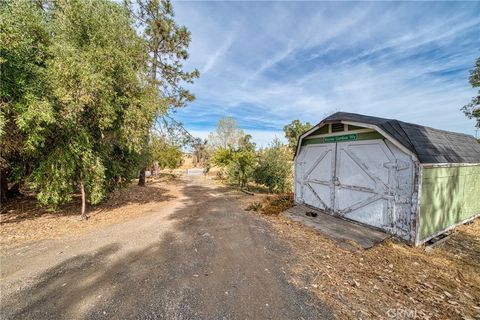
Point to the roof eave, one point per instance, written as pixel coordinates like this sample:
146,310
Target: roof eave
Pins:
361,124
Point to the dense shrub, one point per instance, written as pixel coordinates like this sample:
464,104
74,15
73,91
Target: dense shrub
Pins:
167,155
240,169
238,163
274,169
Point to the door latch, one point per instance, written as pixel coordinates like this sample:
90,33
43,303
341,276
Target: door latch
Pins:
336,182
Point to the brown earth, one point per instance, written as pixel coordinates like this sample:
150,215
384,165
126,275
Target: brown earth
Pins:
388,280
23,220
185,248
196,256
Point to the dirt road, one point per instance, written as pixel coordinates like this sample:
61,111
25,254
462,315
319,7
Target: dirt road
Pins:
198,256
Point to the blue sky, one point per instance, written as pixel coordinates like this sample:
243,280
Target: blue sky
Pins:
267,63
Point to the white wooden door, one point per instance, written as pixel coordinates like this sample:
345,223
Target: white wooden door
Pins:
364,181
367,181
315,175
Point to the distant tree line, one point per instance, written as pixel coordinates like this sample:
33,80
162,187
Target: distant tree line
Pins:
241,163
82,85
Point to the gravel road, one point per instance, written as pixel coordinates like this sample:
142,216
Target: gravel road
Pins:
199,256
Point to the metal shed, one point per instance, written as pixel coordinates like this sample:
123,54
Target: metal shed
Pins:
411,181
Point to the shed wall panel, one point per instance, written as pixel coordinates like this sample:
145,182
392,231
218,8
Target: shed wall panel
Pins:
449,196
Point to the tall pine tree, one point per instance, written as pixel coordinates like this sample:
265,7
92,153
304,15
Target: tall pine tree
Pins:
167,45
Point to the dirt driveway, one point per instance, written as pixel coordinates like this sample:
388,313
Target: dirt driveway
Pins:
197,256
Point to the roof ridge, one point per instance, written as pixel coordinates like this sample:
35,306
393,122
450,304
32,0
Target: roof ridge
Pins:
431,145
400,121
406,135
436,129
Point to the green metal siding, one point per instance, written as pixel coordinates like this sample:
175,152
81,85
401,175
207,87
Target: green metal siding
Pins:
449,195
360,136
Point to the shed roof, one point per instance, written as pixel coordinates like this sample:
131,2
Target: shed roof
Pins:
429,144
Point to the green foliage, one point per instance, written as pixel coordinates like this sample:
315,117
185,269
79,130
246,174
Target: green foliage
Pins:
53,177
76,106
166,45
240,169
222,157
472,110
235,153
233,150
274,169
167,48
69,163
245,143
165,154
239,163
293,131
24,39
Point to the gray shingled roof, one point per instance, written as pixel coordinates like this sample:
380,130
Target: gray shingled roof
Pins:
429,144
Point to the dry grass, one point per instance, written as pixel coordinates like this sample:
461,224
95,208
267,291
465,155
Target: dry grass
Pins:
272,205
23,220
391,279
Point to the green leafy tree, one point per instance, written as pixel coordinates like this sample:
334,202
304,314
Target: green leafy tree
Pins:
240,169
293,131
234,151
274,169
222,157
472,110
24,39
85,117
245,143
167,155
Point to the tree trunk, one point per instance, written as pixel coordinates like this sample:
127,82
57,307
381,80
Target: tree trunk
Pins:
14,191
3,185
83,215
141,177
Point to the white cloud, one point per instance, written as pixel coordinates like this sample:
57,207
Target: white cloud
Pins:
269,63
217,55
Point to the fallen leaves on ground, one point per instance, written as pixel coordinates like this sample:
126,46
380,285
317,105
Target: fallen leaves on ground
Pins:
390,279
272,204
23,220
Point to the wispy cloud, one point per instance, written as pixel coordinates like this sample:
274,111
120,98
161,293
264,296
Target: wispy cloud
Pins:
212,60
269,63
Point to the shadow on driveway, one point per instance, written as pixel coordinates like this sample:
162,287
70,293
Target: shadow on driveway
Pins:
218,262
